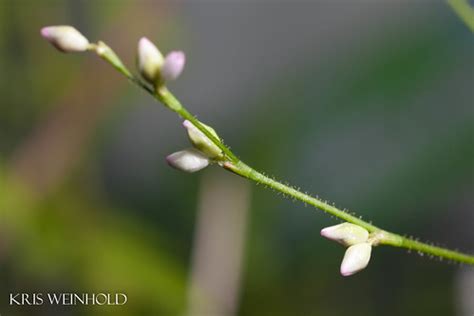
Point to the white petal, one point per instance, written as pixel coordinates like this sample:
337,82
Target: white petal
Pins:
356,258
149,60
65,38
173,65
347,234
188,160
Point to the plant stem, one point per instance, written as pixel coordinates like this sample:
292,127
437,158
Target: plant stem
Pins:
247,172
381,236
235,165
240,168
464,11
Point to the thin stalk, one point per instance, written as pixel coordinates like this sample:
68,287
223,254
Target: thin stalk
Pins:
232,163
381,236
464,11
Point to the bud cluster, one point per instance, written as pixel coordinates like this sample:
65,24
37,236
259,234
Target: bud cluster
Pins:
156,70
199,157
153,67
359,245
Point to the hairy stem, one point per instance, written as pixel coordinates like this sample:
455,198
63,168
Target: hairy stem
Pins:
381,236
235,165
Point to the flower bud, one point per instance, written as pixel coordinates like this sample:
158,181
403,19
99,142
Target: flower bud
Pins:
150,60
65,38
173,65
346,234
356,258
188,160
201,141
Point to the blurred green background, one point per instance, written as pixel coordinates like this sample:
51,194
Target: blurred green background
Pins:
366,104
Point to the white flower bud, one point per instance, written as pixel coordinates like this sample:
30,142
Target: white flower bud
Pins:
65,38
188,160
356,258
201,141
150,60
347,234
173,65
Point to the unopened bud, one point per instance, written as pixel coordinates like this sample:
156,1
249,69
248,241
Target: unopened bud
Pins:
150,60
65,38
356,258
188,160
201,141
173,65
346,234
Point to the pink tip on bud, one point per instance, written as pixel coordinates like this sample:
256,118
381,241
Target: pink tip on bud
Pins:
187,124
45,32
65,38
173,65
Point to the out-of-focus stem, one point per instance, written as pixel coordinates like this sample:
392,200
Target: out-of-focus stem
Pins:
465,12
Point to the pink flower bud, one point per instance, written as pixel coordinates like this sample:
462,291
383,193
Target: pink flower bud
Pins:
173,65
356,258
65,38
188,160
347,234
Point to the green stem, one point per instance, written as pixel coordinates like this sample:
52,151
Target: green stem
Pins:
235,165
381,236
247,172
465,12
436,251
